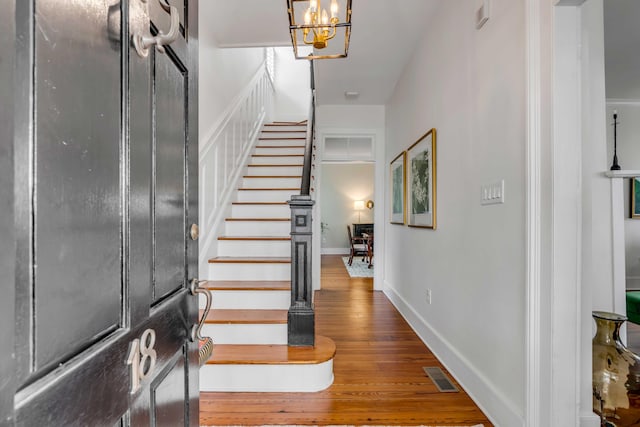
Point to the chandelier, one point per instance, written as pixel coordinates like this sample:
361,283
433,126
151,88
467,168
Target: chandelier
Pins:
320,25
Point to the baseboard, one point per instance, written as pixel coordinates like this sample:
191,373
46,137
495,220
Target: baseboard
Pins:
483,393
334,251
633,283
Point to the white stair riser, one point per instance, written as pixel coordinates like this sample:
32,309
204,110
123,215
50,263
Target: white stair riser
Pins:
281,142
275,171
258,228
300,132
266,378
258,248
232,271
246,333
279,151
277,160
260,211
266,196
248,300
271,182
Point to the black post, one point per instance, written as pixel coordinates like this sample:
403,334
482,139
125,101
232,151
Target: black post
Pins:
301,317
615,166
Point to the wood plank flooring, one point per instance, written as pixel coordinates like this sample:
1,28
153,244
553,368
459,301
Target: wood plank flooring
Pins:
378,371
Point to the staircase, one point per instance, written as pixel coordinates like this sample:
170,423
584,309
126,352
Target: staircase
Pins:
250,280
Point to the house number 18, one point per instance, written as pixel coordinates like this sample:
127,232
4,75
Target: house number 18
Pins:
142,358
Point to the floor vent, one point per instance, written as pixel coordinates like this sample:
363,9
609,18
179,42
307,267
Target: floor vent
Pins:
440,379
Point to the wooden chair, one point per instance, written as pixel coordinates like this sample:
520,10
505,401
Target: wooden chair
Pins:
358,246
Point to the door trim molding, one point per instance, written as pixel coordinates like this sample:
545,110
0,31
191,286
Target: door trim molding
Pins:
533,211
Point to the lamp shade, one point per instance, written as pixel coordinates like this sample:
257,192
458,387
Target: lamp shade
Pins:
358,205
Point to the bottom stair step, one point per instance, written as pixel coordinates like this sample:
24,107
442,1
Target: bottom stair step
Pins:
246,326
269,368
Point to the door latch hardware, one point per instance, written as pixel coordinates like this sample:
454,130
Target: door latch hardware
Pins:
205,344
142,43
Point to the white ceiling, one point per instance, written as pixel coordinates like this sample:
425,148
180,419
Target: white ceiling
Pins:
383,35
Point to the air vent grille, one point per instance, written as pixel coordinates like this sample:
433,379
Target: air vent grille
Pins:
440,379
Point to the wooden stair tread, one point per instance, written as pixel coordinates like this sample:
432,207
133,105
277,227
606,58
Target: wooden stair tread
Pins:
254,238
284,131
284,124
283,138
249,260
228,354
272,176
277,155
259,203
280,146
240,285
275,166
246,317
269,189
259,219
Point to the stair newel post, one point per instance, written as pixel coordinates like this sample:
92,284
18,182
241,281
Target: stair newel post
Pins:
301,317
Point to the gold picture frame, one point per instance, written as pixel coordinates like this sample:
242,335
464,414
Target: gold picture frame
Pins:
421,182
398,185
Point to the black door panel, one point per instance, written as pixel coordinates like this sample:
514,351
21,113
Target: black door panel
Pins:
102,161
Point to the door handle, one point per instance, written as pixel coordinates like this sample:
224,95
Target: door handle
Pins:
205,344
142,43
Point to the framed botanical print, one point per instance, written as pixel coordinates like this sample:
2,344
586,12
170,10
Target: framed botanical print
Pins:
421,182
398,175
635,197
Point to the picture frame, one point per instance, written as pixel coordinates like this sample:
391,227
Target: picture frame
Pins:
421,182
398,185
635,197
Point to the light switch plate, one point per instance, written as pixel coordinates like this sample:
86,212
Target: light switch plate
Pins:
492,194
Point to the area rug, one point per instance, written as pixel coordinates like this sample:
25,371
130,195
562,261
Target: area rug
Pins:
358,268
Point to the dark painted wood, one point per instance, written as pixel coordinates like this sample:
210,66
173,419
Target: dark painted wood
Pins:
86,219
192,360
301,318
7,242
169,105
77,149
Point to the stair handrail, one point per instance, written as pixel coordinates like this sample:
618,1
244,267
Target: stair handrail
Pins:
311,125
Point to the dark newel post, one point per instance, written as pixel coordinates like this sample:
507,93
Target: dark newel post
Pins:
301,319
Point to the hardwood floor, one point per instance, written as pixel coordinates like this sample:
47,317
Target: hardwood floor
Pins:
378,371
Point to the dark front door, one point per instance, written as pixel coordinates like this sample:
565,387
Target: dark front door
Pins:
104,155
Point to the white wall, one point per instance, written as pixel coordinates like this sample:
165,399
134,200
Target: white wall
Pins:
342,184
472,90
629,159
292,82
223,72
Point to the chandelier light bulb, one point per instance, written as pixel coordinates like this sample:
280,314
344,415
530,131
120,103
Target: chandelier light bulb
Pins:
307,17
313,5
334,8
325,16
